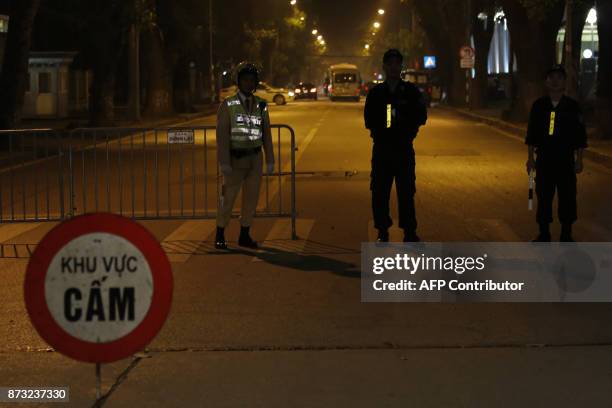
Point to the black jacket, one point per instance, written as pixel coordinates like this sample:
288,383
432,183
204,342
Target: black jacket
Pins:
409,112
569,132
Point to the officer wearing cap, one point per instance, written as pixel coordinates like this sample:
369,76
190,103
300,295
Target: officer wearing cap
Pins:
243,129
394,112
557,134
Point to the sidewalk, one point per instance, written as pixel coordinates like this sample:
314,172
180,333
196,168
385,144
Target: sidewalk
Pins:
145,122
598,150
363,377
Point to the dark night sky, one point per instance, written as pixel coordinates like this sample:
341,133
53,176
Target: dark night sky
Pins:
345,22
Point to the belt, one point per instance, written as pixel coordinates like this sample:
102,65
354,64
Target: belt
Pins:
239,153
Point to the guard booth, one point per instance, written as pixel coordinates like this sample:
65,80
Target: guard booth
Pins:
47,89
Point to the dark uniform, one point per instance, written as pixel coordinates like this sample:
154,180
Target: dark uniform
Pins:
556,138
394,118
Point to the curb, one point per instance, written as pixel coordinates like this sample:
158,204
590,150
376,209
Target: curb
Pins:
519,131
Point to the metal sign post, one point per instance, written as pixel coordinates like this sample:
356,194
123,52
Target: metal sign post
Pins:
467,56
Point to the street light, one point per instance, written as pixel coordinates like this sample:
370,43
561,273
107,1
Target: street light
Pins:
376,24
367,46
381,12
320,37
293,2
315,31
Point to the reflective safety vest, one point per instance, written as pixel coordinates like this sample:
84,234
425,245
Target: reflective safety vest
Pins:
247,129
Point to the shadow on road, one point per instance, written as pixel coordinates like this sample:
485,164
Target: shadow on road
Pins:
309,256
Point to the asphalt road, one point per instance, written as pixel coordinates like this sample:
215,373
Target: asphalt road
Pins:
305,295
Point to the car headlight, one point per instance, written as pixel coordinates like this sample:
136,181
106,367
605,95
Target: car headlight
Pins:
298,91
291,93
313,90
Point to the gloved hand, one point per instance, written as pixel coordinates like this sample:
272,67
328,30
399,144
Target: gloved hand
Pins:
269,168
226,169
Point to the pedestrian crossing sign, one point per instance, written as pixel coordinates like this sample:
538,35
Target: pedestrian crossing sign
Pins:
430,62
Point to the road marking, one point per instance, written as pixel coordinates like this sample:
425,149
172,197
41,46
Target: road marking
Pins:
306,142
184,242
279,237
10,231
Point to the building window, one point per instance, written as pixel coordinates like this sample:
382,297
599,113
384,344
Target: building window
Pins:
44,83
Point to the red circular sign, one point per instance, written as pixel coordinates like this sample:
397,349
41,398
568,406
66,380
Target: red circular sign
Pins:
69,290
467,52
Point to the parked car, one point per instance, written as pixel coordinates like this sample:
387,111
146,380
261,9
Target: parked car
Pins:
279,96
306,90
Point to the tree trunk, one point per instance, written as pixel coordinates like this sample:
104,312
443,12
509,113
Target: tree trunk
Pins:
483,34
102,103
159,84
444,24
13,79
604,78
534,39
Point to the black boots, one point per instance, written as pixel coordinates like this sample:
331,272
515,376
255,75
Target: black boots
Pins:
544,235
245,239
383,235
220,239
566,233
411,236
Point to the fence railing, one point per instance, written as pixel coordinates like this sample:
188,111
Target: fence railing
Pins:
156,173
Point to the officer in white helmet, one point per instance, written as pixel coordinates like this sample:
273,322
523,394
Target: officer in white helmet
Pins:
243,131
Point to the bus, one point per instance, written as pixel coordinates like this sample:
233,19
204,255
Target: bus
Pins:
344,82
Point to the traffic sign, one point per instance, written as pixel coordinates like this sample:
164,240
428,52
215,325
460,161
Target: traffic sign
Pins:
185,136
430,61
467,56
98,288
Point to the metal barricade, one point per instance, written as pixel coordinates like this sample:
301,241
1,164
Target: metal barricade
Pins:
156,173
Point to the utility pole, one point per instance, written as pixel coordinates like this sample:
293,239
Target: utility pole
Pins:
213,96
570,66
468,25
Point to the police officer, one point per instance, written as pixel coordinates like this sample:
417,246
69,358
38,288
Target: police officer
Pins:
557,134
243,129
394,111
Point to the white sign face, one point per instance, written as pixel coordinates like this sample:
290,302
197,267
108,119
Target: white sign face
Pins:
99,287
181,137
468,57
467,63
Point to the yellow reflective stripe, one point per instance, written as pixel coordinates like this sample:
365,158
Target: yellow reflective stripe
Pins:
551,130
388,116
